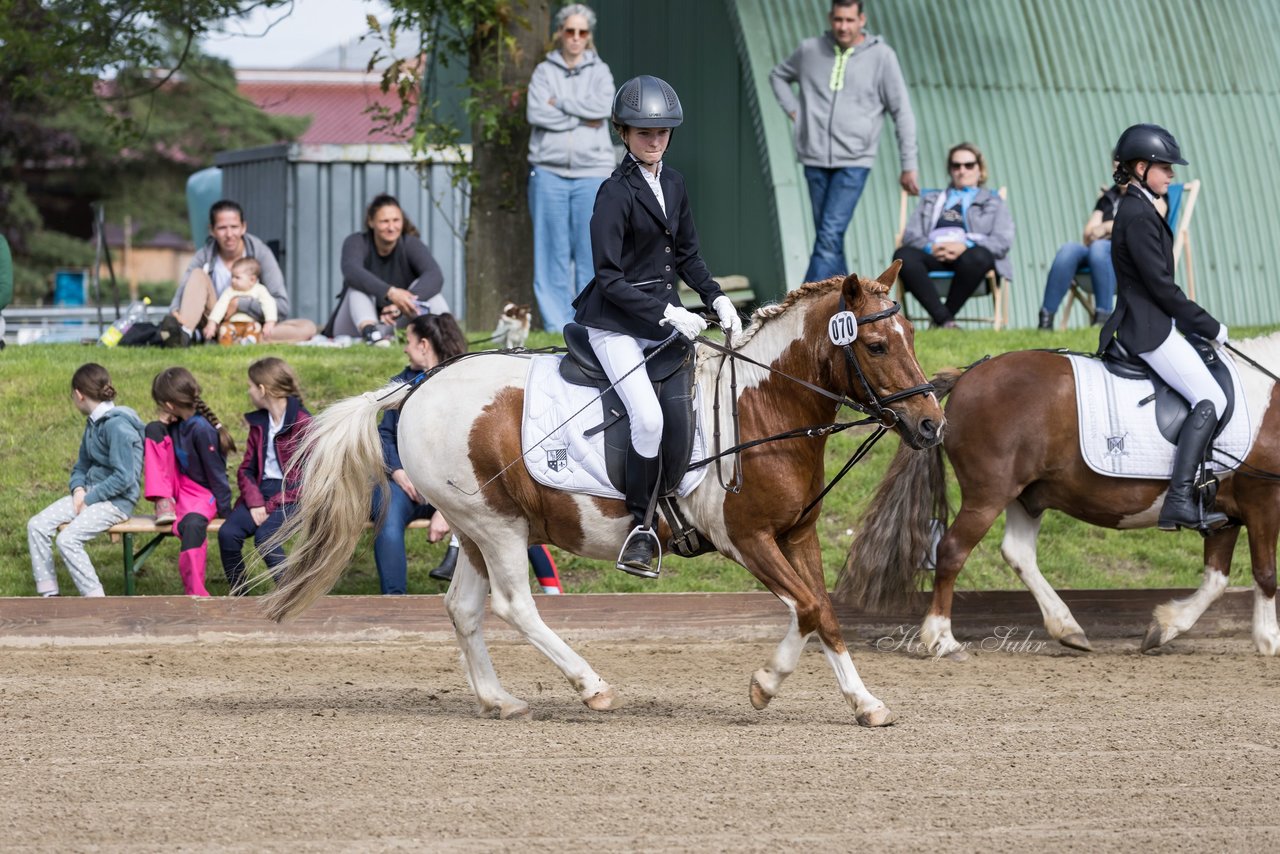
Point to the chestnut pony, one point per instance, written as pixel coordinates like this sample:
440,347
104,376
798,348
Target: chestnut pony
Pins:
460,434
1013,441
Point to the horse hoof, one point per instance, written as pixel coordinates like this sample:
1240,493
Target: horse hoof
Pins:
1076,640
877,717
759,698
1267,645
602,701
516,712
1152,638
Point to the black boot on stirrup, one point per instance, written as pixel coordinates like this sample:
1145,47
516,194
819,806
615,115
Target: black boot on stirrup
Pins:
1182,506
642,481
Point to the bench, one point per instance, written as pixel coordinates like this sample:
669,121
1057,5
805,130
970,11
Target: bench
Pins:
123,532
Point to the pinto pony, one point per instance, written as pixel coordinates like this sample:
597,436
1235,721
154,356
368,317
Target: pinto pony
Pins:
1013,441
460,443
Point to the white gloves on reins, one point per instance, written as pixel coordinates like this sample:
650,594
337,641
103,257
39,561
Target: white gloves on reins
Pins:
683,321
1222,335
729,320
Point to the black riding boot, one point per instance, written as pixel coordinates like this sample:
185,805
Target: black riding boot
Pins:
642,481
1182,507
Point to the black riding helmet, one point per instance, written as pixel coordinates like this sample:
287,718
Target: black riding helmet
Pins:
647,102
1151,143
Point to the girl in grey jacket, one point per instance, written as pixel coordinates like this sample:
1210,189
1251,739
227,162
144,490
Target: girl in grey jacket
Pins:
103,488
570,155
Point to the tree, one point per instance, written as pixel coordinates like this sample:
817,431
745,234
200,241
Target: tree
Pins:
502,41
56,114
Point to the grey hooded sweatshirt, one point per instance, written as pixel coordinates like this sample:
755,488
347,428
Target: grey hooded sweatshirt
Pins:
110,461
840,126
271,276
559,141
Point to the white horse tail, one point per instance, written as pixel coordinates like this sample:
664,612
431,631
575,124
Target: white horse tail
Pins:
341,464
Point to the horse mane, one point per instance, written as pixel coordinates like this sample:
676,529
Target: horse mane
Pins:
767,312
1263,349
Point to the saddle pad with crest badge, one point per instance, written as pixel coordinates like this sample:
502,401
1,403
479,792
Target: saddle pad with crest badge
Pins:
1119,436
557,451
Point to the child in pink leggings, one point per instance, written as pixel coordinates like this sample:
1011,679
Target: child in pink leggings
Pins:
185,468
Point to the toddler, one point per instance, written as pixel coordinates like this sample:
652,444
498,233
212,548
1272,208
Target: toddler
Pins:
241,328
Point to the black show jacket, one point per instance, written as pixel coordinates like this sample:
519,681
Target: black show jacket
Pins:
638,252
1147,297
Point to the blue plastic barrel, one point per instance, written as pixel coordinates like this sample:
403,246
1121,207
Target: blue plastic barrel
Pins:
203,189
69,287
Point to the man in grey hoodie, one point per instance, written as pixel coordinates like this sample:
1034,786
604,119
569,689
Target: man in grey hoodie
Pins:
848,79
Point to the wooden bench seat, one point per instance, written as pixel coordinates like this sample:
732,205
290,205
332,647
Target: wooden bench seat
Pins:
123,532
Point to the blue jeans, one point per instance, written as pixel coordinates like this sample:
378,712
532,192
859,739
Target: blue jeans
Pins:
1070,258
388,541
237,528
561,212
834,193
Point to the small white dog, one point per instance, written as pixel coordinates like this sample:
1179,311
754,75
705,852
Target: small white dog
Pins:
513,326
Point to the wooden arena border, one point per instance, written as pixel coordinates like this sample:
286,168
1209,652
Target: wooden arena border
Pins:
979,617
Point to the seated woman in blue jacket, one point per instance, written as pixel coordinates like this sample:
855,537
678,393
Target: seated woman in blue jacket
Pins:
429,340
965,228
642,237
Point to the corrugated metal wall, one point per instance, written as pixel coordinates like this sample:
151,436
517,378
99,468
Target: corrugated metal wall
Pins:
306,199
1044,88
691,46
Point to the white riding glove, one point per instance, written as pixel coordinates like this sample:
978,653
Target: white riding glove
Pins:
1222,335
683,321
729,320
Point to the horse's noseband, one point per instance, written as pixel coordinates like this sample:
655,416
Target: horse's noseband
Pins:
876,406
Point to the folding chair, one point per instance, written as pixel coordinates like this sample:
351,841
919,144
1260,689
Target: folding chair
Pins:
1182,204
992,286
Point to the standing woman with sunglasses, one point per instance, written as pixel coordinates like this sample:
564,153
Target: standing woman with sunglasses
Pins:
570,155
965,228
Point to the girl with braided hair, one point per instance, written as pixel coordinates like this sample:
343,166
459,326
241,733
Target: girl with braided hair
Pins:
185,467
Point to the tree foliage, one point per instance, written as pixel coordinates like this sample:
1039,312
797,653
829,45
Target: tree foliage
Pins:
85,116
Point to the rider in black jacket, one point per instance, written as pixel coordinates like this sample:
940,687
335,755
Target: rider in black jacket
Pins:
1151,311
642,237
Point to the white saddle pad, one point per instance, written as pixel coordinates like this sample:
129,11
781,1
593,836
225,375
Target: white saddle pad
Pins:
1119,438
557,454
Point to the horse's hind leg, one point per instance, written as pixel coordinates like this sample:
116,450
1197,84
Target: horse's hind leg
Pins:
970,526
507,559
1019,550
1173,618
465,604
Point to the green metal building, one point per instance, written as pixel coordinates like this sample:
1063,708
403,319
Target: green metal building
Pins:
1043,87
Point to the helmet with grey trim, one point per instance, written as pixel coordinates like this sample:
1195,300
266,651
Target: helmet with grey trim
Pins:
1151,143
647,102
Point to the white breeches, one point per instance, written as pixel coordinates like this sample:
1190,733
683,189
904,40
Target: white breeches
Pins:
1178,363
619,354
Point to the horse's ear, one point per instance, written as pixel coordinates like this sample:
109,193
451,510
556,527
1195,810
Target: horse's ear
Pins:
889,276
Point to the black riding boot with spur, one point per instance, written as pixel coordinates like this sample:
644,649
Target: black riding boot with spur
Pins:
642,482
1182,505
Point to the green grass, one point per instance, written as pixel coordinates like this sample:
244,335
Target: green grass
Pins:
40,432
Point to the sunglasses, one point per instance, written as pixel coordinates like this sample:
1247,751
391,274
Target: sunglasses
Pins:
970,164
572,33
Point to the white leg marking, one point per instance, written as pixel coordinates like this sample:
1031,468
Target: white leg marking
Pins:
935,634
1266,634
869,710
465,604
767,681
1019,551
1173,618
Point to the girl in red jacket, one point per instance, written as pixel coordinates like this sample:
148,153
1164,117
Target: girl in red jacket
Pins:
266,493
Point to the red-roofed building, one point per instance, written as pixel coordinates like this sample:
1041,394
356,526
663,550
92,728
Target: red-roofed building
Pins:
337,101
